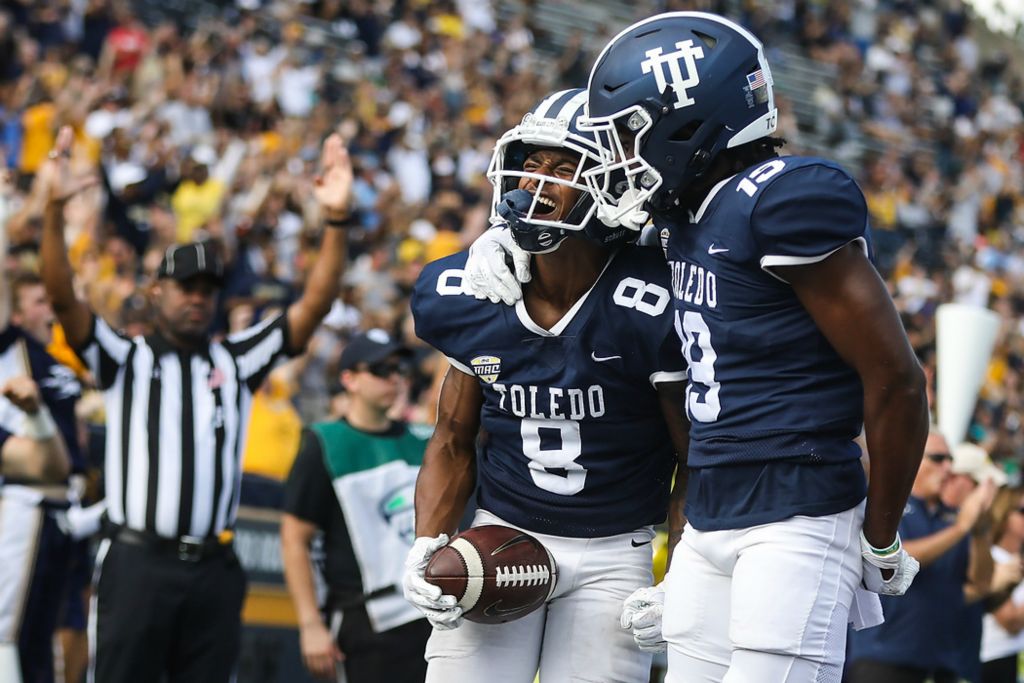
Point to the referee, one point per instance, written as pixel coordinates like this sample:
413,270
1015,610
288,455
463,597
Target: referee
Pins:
168,592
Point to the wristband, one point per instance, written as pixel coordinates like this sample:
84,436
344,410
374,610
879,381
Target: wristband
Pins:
39,426
339,223
882,552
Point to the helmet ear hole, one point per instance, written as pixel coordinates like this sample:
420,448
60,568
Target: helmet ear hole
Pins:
708,40
686,132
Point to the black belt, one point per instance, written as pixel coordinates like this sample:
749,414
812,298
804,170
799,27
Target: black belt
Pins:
185,548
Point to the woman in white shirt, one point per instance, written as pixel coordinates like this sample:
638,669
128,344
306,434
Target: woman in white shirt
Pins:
1003,635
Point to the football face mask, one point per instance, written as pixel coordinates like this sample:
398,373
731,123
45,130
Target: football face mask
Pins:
536,165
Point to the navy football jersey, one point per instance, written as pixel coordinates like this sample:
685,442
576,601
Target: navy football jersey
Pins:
768,395
57,383
575,443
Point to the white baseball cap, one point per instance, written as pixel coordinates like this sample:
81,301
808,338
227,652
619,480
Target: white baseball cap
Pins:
973,460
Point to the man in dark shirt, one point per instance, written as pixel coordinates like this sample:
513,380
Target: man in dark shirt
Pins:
920,637
353,480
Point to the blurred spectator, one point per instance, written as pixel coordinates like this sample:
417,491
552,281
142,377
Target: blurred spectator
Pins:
273,437
199,196
921,636
353,480
39,448
973,468
1003,635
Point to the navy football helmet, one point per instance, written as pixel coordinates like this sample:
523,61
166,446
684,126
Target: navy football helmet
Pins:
552,123
665,97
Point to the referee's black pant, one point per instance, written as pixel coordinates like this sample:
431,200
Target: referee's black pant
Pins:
155,615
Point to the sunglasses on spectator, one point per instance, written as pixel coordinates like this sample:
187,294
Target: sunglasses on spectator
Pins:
939,458
387,368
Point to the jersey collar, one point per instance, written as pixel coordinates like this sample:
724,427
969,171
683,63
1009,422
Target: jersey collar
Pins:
695,218
561,325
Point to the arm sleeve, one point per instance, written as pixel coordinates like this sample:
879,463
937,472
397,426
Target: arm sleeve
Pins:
806,215
104,352
308,493
257,348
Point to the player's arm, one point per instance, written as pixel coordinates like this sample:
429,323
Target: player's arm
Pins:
443,487
333,190
307,493
55,185
37,453
851,306
448,474
672,397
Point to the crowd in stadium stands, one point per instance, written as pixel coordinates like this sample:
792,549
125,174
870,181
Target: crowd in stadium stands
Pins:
211,129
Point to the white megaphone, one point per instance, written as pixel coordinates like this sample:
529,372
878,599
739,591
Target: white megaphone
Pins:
965,338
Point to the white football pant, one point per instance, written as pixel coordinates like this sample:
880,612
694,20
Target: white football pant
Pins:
766,604
21,521
574,637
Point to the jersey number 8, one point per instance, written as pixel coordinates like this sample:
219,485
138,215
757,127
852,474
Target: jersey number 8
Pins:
562,458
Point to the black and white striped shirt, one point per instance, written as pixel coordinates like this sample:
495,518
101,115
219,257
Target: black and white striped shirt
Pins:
176,424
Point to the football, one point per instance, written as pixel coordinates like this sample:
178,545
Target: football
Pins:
497,573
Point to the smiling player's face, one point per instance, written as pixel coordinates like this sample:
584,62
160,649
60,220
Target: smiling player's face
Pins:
557,200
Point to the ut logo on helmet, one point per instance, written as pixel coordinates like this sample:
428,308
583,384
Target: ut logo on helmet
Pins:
657,62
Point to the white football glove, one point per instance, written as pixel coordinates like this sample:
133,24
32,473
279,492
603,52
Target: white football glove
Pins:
641,613
440,610
904,567
487,276
82,522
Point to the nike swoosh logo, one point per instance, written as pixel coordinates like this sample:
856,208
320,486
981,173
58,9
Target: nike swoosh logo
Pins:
713,250
601,359
637,545
508,544
493,610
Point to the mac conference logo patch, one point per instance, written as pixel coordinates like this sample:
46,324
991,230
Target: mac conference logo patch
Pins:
487,368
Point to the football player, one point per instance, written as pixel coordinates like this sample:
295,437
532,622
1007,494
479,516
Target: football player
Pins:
792,343
569,403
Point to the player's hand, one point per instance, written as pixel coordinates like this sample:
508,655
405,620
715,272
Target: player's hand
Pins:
881,563
488,275
641,613
333,187
440,610
320,653
23,392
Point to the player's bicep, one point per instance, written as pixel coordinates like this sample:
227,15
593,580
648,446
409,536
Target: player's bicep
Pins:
458,411
851,306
